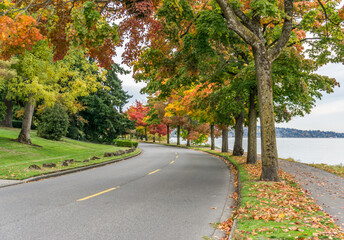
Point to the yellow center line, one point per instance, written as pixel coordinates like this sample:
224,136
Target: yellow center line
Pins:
176,156
154,171
97,194
171,162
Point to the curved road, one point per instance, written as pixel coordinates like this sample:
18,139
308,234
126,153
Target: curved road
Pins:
165,193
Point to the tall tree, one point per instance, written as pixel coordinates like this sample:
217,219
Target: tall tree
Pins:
101,112
265,51
35,81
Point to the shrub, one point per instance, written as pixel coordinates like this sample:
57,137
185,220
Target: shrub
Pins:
54,123
125,143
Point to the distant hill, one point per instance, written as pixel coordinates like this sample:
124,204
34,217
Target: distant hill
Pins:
296,133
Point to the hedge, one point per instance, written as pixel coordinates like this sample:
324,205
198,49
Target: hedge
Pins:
125,143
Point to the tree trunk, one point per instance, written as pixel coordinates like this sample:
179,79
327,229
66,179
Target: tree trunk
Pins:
154,138
188,139
266,112
178,135
7,122
225,140
168,133
252,130
24,135
146,134
239,134
188,143
212,136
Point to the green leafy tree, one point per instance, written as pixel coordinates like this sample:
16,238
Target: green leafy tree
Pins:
102,120
35,81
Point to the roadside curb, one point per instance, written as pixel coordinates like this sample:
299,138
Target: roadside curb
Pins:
218,233
68,171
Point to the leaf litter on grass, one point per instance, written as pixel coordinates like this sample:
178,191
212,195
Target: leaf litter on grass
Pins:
277,210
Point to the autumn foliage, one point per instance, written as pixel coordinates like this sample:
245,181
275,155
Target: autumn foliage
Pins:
137,113
17,35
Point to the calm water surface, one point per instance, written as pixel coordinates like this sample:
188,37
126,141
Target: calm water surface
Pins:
306,150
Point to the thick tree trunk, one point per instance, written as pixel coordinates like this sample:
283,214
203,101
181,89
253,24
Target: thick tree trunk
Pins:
239,134
225,140
24,135
7,122
266,112
212,136
146,137
252,130
168,133
154,138
178,135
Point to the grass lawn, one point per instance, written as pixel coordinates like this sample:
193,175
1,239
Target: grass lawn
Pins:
15,158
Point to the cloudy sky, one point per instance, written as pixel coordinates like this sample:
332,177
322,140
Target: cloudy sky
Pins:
328,115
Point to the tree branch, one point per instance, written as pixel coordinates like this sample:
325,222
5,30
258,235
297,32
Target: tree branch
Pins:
246,21
326,16
282,41
238,27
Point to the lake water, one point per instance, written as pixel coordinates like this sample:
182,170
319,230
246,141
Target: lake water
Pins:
306,150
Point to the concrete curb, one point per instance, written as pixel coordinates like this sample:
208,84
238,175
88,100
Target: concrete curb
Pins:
238,191
68,171
227,210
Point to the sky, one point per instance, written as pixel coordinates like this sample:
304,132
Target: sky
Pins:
328,115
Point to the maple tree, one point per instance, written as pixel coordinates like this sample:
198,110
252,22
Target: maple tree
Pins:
256,23
137,112
64,23
18,35
156,119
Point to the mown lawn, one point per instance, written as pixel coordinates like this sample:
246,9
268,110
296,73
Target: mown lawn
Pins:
15,158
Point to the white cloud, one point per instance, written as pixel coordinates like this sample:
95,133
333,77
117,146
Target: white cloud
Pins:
329,108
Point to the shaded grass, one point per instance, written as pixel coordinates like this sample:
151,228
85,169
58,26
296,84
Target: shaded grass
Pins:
15,158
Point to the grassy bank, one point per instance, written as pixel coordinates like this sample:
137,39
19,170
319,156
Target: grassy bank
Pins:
268,210
15,158
335,169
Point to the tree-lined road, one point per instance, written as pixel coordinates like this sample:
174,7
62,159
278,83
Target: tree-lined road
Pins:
165,193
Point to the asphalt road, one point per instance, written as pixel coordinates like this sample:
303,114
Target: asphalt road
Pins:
165,193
